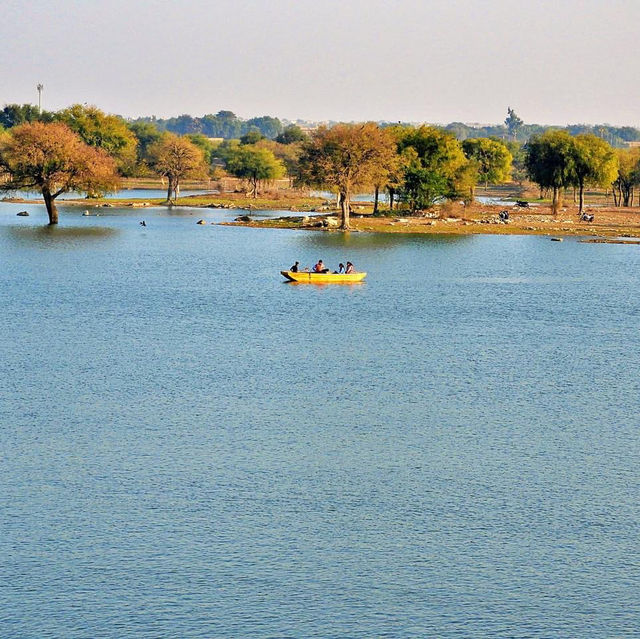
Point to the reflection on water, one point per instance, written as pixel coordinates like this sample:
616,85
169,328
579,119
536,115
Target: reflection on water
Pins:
59,235
368,241
323,284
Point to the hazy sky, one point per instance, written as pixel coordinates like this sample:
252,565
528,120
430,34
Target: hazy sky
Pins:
560,61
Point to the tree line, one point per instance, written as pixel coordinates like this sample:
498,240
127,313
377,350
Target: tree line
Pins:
515,129
224,124
81,148
227,125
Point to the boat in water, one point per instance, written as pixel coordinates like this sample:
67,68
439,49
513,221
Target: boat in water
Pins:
309,277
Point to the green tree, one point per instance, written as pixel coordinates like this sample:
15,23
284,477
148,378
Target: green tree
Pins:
433,161
395,179
251,137
628,176
147,134
288,154
176,159
550,163
594,164
53,159
16,114
518,168
224,124
225,149
254,164
205,145
492,157
513,123
292,134
108,132
269,127
343,158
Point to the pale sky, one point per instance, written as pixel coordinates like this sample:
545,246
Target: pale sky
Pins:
553,61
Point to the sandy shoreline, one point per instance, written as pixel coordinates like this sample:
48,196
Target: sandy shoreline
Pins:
482,219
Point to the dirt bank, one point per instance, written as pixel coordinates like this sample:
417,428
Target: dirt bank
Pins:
482,219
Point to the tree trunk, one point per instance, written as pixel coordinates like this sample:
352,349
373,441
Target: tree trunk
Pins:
391,194
50,203
555,205
581,197
376,193
169,190
344,208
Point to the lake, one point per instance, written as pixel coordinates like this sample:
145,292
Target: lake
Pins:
191,447
121,194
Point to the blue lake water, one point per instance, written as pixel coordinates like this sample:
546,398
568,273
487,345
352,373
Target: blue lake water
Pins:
122,194
190,447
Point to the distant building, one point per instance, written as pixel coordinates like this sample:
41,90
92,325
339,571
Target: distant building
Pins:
634,144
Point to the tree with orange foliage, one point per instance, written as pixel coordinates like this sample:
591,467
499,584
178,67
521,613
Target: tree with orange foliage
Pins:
54,160
176,158
345,157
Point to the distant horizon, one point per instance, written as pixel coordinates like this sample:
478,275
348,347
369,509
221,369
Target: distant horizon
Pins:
469,123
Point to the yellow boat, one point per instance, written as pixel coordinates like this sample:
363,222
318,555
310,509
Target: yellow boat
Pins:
308,277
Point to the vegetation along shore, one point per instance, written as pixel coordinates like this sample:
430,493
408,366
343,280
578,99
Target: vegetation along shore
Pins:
419,178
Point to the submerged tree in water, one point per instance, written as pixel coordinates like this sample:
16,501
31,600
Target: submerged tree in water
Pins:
54,160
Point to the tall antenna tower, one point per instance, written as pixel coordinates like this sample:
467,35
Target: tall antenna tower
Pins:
40,87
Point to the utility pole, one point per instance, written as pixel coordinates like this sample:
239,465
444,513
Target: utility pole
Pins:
40,87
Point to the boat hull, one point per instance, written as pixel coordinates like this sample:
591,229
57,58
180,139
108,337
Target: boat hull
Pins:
306,277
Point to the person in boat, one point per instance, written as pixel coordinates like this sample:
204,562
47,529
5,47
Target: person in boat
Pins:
295,268
350,268
320,267
340,268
